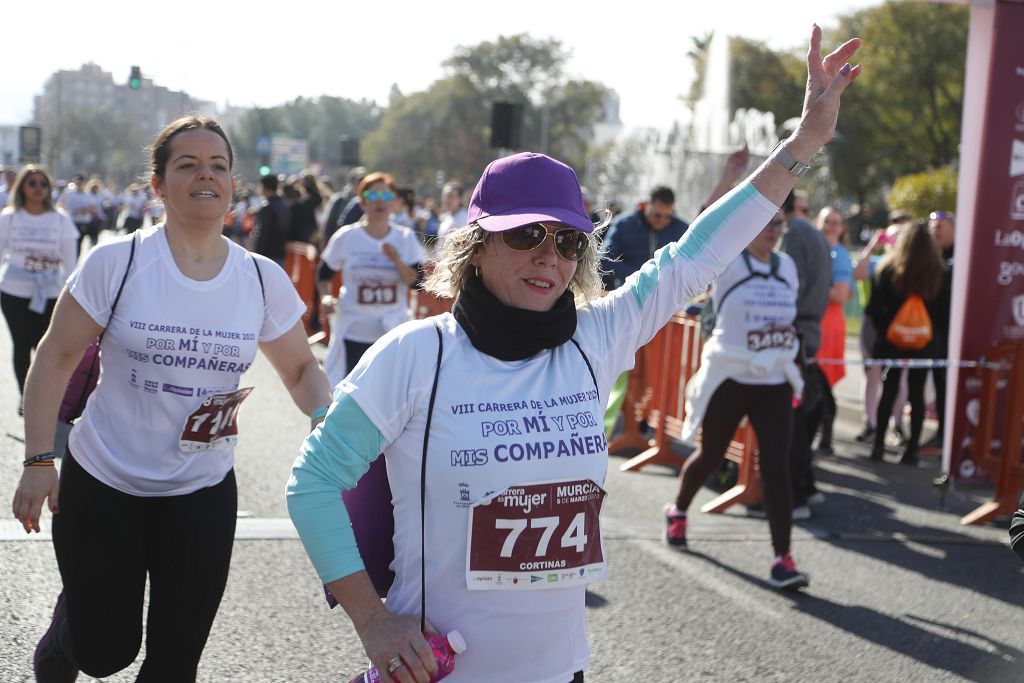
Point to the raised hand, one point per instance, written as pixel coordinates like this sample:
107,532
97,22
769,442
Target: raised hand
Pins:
827,78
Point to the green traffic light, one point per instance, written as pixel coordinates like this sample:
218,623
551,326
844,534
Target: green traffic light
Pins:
264,170
135,84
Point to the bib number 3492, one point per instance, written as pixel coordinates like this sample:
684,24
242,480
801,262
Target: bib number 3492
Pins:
214,423
537,536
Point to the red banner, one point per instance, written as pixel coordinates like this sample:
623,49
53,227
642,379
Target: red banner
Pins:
988,285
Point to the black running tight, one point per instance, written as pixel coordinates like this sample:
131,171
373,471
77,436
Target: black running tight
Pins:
107,542
770,409
27,328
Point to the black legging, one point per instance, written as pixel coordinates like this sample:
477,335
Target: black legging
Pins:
770,409
27,328
915,395
107,541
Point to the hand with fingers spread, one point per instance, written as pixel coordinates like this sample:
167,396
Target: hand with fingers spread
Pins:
827,78
395,645
36,486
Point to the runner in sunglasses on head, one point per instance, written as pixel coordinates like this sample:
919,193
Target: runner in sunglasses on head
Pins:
489,418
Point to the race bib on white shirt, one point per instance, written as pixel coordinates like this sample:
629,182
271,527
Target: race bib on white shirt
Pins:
537,536
214,424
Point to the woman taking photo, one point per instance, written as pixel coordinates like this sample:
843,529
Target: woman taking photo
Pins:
914,267
147,485
747,368
37,244
489,417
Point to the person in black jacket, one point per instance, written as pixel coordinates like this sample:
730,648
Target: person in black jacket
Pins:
271,231
914,266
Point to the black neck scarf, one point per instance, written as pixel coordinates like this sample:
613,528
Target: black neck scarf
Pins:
509,333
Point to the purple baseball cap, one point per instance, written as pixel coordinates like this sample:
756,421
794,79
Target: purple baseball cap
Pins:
527,188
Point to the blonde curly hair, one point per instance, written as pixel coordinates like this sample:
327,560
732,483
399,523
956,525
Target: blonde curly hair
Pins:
452,265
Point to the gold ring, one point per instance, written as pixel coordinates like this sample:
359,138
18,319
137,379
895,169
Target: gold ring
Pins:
395,664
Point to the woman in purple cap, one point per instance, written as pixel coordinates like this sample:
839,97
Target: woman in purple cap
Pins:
489,417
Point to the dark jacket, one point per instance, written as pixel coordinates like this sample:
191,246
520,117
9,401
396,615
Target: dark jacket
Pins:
271,229
813,258
883,306
630,242
303,219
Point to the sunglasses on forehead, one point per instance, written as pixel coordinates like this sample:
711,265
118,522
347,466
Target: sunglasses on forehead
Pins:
570,243
378,195
940,215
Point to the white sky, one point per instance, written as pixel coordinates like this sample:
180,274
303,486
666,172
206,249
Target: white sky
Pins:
271,52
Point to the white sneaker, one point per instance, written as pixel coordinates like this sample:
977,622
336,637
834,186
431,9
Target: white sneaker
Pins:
801,513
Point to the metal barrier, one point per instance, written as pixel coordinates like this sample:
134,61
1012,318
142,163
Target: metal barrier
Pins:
657,395
1001,454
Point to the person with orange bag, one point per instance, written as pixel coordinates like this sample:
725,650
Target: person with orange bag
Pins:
906,308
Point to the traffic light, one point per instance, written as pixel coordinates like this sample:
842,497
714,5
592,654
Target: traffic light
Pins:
135,80
264,165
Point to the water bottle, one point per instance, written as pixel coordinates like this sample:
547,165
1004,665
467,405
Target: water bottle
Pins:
444,648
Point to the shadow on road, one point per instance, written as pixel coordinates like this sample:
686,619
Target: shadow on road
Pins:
934,643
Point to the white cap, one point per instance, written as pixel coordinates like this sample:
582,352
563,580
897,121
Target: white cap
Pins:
456,641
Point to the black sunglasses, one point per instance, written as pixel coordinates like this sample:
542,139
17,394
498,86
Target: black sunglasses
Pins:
570,243
33,183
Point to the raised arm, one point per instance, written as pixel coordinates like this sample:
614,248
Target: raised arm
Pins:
827,78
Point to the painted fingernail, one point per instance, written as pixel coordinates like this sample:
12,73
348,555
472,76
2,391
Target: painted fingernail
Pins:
846,69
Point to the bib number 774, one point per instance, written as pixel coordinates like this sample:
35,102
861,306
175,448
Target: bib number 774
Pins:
537,536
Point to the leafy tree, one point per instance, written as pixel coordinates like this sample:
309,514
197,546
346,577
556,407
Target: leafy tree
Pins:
93,141
921,193
321,121
444,131
759,77
903,115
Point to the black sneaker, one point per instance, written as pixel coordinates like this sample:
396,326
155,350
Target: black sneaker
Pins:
867,435
786,576
50,663
910,458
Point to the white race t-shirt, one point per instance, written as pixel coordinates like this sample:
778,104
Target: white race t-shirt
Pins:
38,252
500,424
172,344
374,298
759,314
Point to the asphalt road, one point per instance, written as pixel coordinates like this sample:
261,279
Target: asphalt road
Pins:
899,590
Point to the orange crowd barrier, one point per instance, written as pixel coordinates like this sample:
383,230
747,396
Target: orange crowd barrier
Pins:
1003,463
300,259
657,395
424,304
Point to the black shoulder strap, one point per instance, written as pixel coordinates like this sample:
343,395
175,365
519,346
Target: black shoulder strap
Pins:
751,274
423,483
260,276
124,278
94,367
589,366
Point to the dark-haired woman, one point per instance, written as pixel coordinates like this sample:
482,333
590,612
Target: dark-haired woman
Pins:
38,249
913,267
147,486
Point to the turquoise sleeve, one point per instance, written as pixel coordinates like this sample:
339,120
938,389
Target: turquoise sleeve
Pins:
333,458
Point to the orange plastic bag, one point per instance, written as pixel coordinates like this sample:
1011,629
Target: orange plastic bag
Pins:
911,329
